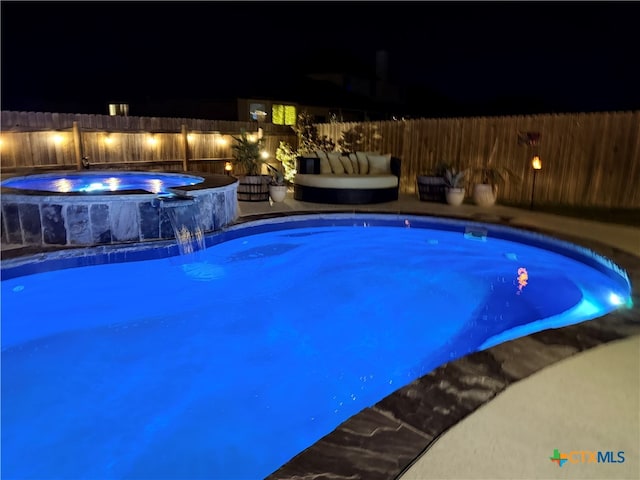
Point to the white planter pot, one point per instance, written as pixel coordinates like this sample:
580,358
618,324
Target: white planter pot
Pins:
484,195
278,192
455,196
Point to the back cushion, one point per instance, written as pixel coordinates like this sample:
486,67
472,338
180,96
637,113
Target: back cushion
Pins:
336,164
363,163
325,166
346,163
379,164
354,163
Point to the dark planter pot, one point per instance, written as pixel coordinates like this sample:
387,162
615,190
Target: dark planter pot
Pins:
253,188
431,189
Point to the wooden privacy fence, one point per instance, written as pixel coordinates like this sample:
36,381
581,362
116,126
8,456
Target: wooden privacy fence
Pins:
34,141
588,159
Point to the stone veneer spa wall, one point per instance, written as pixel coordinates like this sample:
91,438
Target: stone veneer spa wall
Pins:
45,219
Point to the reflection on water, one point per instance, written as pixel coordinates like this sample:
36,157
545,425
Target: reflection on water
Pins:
63,185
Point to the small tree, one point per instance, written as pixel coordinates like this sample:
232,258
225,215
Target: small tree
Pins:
286,155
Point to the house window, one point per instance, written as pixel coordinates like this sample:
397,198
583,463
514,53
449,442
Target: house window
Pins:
283,114
257,112
119,109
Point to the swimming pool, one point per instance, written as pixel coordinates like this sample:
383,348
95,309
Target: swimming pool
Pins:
283,330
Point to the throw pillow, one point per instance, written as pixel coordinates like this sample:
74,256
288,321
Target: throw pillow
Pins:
363,163
379,164
354,163
336,164
346,163
325,166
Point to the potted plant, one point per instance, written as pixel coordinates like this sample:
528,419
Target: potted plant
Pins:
488,178
277,184
247,153
454,181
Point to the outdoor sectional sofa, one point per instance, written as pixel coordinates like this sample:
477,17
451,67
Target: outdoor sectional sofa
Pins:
355,178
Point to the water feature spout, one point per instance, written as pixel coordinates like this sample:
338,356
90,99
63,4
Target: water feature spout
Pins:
171,200
184,215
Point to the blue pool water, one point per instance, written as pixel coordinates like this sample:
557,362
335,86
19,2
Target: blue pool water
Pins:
97,182
228,362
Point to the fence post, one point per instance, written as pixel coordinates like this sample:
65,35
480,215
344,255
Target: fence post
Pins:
185,139
77,143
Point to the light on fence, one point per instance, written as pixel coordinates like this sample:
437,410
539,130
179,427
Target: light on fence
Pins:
252,138
190,137
58,139
152,141
228,167
108,139
264,154
536,163
221,141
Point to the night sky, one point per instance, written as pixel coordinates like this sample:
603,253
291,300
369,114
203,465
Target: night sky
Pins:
78,56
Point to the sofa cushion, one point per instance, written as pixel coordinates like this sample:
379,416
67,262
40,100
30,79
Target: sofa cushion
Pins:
336,164
363,163
354,163
346,181
325,166
379,164
346,163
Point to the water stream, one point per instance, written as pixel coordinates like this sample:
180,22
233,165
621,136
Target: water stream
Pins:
185,218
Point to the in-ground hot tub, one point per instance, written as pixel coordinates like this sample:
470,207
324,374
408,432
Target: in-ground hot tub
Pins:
110,207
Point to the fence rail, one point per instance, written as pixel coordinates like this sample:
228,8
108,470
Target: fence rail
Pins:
589,159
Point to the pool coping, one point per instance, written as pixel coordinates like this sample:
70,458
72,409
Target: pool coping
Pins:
384,440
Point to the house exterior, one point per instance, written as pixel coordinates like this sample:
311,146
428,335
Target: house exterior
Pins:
336,89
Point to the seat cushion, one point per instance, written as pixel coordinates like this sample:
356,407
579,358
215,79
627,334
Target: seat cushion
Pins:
346,181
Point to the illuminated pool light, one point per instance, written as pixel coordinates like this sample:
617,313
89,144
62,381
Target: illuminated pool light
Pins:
616,299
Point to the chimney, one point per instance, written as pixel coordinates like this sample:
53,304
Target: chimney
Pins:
382,65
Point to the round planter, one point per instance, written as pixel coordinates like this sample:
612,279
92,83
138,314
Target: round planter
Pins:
455,196
431,188
253,188
277,192
484,195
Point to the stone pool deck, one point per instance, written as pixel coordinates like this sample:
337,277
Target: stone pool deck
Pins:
502,412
